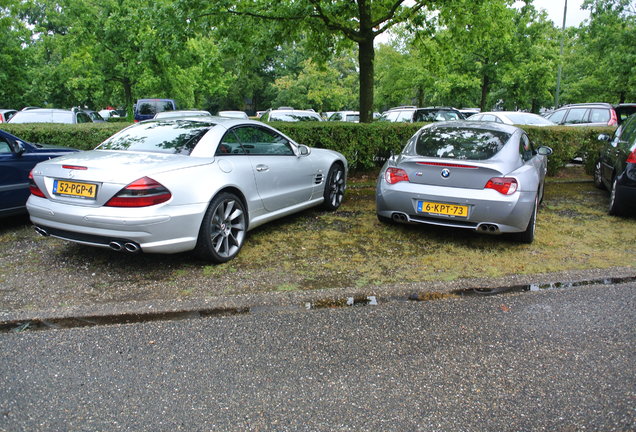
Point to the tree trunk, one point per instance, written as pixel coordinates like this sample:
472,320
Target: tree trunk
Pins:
366,56
485,84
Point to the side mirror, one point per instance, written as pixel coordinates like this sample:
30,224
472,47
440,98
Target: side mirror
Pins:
544,151
19,148
303,150
604,137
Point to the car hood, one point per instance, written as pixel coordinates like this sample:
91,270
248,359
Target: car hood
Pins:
115,166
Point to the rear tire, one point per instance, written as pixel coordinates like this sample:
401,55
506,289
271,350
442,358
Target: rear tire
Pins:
334,188
527,236
223,229
385,220
614,209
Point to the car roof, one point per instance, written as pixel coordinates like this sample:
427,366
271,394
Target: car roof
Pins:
590,104
47,110
212,120
461,124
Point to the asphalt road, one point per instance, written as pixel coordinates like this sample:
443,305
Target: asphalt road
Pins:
555,360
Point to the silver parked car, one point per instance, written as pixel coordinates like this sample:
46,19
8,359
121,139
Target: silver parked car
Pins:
43,115
481,176
175,185
512,118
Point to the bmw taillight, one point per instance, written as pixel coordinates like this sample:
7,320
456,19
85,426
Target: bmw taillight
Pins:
35,190
140,193
503,185
613,121
395,175
632,156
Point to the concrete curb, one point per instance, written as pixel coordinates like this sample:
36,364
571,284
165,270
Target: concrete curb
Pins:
298,300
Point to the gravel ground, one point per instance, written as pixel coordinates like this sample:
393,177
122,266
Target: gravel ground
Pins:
45,278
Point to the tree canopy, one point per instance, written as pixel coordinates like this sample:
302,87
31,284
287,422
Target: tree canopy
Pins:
327,55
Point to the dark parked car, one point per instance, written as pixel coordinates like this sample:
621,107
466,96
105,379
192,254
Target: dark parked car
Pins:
17,158
145,109
615,168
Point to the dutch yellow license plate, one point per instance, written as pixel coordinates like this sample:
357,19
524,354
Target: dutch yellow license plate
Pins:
444,209
75,189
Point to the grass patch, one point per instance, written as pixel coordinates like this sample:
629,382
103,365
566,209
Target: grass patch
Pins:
320,250
350,246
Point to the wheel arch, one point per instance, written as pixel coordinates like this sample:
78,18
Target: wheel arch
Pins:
236,191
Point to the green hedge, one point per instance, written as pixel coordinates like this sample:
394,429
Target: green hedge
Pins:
365,146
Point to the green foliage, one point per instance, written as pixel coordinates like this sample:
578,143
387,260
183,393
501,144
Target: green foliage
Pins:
84,136
366,146
601,56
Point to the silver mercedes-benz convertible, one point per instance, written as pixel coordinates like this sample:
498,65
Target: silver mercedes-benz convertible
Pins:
173,185
482,176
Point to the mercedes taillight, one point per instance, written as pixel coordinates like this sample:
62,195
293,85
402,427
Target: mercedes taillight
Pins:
140,193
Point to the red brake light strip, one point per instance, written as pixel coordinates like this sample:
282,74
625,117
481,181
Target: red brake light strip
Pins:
444,164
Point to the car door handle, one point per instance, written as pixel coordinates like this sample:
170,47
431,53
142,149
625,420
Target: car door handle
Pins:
261,168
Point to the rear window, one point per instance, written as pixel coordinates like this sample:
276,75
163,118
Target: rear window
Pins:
599,115
178,137
459,143
154,107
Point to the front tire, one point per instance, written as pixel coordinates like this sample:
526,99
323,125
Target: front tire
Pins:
598,178
335,187
223,229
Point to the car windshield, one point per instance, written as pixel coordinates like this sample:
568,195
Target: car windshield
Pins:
178,137
154,107
527,119
459,143
291,117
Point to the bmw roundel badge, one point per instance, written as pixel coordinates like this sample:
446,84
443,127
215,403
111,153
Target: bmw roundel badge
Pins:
445,173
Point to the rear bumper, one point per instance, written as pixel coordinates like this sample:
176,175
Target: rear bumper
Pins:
168,229
488,210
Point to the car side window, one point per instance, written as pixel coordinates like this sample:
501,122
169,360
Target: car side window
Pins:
82,117
576,116
489,117
599,115
557,116
259,141
405,116
230,144
4,146
525,148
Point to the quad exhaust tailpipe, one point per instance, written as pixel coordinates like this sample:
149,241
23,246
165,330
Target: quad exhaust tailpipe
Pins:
124,247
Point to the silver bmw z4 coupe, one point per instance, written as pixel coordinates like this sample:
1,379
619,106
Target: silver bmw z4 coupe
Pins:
174,185
481,176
